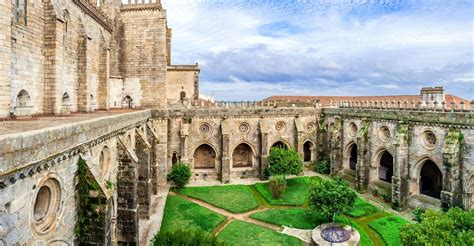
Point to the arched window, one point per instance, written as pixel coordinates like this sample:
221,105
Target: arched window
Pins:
431,180
386,167
307,146
242,156
21,12
23,99
280,145
204,157
104,159
353,157
182,95
66,100
65,28
174,159
127,102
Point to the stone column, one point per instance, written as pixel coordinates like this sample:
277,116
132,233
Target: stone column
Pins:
264,155
104,68
401,176
451,192
84,99
225,159
5,57
363,161
143,150
127,200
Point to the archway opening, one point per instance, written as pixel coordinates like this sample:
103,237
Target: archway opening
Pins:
204,157
23,99
431,180
182,95
127,102
242,156
307,151
174,159
353,157
280,145
386,167
104,159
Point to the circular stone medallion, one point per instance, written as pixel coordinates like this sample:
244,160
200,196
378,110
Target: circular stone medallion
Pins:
335,234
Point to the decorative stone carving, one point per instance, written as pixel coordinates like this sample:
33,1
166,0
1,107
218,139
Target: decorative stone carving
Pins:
244,127
429,139
384,134
46,206
205,128
310,127
280,126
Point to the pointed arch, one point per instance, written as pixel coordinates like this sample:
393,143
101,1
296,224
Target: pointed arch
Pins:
23,99
350,156
281,144
105,159
127,102
204,157
243,156
308,147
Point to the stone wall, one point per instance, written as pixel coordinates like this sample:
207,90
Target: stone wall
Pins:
182,83
143,55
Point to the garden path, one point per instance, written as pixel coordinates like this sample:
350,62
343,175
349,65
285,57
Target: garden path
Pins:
149,227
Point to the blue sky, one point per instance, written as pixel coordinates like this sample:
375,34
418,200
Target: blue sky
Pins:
252,49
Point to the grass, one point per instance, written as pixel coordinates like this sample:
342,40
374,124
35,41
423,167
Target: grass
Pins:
292,217
362,209
233,198
301,219
296,194
243,233
389,228
182,214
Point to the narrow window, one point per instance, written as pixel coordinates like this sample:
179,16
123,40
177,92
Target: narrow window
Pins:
25,12
17,11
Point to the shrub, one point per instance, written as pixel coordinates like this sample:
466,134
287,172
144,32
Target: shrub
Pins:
454,227
277,185
323,166
284,162
186,237
180,175
418,214
331,197
387,197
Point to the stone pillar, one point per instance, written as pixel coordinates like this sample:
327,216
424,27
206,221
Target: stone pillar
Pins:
452,187
143,152
335,146
225,177
401,176
53,49
104,68
264,155
83,96
127,200
363,161
5,57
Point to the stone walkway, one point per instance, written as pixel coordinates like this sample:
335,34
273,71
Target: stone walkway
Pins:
148,228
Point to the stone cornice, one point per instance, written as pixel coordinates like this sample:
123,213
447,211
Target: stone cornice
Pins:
94,13
234,113
10,177
140,7
443,119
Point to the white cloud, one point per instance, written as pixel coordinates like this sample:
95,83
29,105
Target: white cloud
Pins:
337,47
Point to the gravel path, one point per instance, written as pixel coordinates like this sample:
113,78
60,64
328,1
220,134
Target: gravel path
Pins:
148,228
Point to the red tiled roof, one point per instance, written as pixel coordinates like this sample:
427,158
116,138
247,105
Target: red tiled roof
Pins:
328,100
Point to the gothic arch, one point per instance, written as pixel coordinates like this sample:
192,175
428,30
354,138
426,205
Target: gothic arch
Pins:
127,102
23,99
281,144
350,156
105,159
205,157
308,147
385,165
243,155
428,178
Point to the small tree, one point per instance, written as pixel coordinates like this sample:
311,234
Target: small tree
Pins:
277,185
323,166
331,197
180,175
284,162
455,227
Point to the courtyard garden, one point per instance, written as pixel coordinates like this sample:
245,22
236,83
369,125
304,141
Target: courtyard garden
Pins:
250,215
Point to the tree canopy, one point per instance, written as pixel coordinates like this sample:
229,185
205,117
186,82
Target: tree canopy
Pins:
284,162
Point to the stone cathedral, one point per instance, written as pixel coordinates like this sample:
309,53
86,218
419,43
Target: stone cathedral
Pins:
93,115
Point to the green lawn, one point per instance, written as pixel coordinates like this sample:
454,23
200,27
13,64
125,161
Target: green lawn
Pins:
295,195
182,214
243,233
233,198
362,208
292,217
389,229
